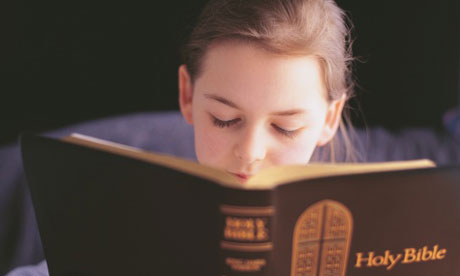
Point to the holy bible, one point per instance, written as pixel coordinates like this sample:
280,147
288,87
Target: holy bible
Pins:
109,209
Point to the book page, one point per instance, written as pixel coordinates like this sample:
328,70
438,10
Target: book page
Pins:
272,177
266,179
165,160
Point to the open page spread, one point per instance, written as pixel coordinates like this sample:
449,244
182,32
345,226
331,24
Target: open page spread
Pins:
266,179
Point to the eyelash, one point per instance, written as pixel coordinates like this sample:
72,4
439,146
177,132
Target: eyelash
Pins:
288,133
223,124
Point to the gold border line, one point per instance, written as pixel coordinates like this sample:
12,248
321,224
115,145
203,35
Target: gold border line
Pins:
247,211
266,246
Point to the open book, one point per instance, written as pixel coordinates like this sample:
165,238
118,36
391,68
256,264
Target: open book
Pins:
105,208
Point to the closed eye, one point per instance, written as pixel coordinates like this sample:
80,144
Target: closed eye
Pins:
222,124
287,133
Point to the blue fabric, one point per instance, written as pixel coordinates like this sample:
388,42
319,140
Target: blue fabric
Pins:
167,132
40,269
451,121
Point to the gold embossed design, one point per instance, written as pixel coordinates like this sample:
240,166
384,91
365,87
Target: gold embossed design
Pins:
321,240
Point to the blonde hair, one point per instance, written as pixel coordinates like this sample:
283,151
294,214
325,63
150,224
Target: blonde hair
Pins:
287,27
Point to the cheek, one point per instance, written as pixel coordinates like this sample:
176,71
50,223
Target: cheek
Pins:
211,147
297,152
300,149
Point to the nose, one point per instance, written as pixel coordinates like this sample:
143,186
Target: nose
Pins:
252,146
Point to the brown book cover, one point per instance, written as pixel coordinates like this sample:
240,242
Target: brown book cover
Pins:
107,209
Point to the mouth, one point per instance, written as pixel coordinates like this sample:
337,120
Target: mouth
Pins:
242,177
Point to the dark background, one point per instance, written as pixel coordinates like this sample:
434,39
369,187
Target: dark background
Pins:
69,61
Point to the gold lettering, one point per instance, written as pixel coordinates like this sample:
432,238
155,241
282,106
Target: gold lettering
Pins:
427,254
242,229
245,265
435,250
441,254
419,254
386,257
393,260
262,231
260,223
360,259
409,255
378,261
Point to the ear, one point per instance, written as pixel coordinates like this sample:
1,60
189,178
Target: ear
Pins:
333,116
185,93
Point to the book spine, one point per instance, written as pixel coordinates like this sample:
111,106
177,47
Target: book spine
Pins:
245,234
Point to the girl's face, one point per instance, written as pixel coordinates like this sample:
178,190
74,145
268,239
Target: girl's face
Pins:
252,109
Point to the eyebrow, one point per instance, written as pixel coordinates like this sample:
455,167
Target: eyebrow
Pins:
222,100
288,112
232,104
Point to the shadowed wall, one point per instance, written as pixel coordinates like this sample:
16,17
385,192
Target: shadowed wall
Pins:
66,62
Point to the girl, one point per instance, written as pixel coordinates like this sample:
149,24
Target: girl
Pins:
264,83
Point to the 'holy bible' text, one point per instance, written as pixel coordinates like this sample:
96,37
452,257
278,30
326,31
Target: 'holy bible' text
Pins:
409,255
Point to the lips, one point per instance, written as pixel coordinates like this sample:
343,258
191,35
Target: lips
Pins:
243,177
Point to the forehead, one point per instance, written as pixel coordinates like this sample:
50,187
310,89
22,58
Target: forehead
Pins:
239,55
245,73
